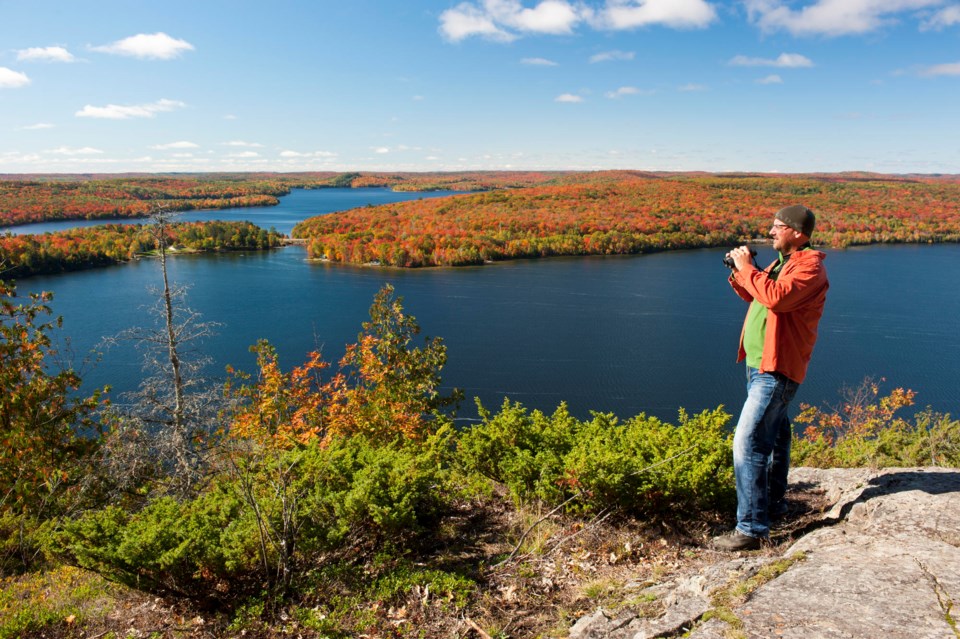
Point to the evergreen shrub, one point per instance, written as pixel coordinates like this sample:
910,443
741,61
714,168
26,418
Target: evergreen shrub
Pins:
251,527
642,465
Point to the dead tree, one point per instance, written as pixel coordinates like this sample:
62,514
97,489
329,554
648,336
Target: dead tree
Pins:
161,431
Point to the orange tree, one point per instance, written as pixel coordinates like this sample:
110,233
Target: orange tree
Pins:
386,387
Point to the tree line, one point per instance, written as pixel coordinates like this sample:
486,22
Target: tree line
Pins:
28,199
93,246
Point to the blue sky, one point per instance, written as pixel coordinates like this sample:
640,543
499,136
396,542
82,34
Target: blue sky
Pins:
215,85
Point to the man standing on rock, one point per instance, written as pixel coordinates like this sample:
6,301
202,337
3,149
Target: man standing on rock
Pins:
786,302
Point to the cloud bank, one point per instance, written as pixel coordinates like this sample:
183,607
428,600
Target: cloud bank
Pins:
507,20
833,17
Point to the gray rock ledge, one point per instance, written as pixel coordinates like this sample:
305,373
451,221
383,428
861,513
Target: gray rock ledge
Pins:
882,562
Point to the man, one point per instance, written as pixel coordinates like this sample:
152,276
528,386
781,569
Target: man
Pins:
786,302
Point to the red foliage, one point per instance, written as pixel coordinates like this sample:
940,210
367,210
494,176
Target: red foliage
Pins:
627,212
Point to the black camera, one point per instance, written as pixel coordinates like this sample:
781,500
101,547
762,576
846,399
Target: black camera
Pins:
728,261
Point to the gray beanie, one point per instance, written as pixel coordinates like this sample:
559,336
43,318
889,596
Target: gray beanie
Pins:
799,218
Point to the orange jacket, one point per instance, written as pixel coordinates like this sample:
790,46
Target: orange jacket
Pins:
794,304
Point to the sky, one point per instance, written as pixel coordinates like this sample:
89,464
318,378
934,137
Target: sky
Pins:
109,86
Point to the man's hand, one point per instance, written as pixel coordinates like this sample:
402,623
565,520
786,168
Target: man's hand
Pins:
741,257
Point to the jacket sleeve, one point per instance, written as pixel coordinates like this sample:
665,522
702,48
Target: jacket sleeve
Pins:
796,283
739,290
744,293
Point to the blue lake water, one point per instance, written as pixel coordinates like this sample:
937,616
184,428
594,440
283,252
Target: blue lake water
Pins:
298,205
649,333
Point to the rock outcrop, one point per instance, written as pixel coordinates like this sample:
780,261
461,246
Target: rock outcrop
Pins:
882,562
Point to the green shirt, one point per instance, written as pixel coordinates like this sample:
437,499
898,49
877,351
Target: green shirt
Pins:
755,328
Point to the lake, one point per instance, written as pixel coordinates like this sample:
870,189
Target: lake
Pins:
648,333
298,205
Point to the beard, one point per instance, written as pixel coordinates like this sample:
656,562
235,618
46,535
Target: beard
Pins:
780,243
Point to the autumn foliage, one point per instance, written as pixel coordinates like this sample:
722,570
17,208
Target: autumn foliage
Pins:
42,198
385,387
625,212
87,247
26,201
867,429
47,430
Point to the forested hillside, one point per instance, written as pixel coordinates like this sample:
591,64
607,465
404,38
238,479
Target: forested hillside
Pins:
26,199
624,212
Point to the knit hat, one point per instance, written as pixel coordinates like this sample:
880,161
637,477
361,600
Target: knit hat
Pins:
799,218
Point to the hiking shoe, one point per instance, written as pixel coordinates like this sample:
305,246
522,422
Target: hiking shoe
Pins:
736,541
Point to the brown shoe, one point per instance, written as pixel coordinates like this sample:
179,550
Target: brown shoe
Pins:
736,541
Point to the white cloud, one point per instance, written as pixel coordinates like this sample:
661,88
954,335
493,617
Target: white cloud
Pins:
36,127
382,150
784,60
45,54
692,87
946,17
253,145
183,144
244,154
678,14
125,112
622,91
230,116
831,17
10,79
771,79
950,68
156,46
549,16
66,150
506,20
466,20
538,62
568,97
608,56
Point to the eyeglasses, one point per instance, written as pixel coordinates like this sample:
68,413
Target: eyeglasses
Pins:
778,227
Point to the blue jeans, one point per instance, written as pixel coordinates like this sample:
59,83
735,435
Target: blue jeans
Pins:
761,450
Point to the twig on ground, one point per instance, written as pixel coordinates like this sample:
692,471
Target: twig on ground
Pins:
577,494
596,521
478,629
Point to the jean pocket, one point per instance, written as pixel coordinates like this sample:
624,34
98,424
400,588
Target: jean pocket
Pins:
788,390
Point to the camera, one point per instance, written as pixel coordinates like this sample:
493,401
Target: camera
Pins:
728,261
